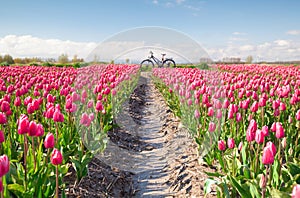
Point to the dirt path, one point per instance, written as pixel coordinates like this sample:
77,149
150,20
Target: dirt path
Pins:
149,155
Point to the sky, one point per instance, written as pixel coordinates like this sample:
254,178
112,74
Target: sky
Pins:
266,29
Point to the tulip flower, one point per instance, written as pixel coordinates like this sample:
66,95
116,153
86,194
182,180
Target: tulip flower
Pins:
210,111
230,143
265,130
259,136
251,130
211,127
221,145
40,130
268,156
296,191
196,114
17,101
254,107
32,128
56,157
279,133
49,141
23,124
99,106
4,165
58,116
5,106
298,115
3,118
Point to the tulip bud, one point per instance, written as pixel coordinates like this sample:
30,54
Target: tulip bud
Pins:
3,118
268,157
210,111
230,143
196,114
240,147
23,124
5,106
279,130
254,107
265,130
40,130
17,101
211,127
259,136
56,157
49,141
296,191
32,128
251,130
58,116
238,117
4,165
263,181
298,115
221,145
99,106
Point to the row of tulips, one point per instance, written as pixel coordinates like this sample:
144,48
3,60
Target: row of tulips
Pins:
53,118
245,119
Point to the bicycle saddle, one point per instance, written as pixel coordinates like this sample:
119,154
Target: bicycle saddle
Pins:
163,54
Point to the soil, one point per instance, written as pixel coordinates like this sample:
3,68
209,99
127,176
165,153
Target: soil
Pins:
148,155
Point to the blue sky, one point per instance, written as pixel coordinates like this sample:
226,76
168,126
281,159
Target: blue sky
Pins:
264,29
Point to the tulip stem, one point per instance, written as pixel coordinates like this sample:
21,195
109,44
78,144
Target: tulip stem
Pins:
56,182
33,153
25,156
56,126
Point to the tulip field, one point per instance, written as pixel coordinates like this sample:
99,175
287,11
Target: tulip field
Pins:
53,118
245,120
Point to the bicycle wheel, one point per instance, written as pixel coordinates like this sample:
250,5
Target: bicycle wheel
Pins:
169,63
146,64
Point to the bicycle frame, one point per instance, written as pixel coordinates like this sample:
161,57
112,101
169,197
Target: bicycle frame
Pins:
156,60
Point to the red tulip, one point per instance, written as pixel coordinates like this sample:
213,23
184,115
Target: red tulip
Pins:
230,143
56,157
49,141
30,108
3,118
221,145
4,165
296,191
2,138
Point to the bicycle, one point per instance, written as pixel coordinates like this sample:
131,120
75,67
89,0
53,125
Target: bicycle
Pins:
164,62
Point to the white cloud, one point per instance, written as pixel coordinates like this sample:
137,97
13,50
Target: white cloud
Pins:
180,1
29,46
293,32
282,42
239,33
246,48
155,2
237,39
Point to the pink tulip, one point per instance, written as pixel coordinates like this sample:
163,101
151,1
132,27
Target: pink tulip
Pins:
5,106
298,115
211,127
32,128
259,137
56,157
238,117
99,106
296,191
4,165
3,118
23,124
265,130
210,111
40,130
58,116
17,101
268,156
272,147
49,141
254,107
251,130
240,147
221,145
279,133
230,143
196,114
